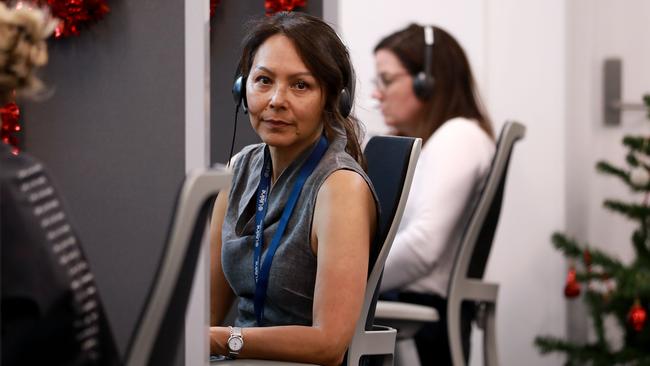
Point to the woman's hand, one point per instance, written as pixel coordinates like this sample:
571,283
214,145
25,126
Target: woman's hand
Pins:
218,340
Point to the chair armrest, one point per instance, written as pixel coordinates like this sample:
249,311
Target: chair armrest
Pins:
395,310
477,290
378,341
250,362
406,318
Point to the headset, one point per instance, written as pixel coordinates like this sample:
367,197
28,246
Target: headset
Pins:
423,81
239,95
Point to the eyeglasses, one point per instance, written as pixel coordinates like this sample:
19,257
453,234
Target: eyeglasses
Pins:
383,81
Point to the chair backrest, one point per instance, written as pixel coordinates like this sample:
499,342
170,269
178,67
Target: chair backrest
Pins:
160,325
391,164
471,258
476,243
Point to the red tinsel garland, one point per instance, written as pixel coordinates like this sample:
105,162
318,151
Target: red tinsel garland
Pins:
213,7
74,14
10,115
274,6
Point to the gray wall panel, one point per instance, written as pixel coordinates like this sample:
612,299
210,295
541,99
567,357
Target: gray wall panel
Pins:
113,136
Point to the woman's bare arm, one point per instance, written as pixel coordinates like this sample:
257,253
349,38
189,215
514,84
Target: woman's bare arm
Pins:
221,295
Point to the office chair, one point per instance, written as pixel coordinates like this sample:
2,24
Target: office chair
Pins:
465,282
159,330
391,165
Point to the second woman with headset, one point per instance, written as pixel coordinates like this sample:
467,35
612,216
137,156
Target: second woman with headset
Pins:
426,89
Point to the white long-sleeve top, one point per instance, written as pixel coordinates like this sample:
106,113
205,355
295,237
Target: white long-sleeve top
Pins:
447,178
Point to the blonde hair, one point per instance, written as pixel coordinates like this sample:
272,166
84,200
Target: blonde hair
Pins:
23,32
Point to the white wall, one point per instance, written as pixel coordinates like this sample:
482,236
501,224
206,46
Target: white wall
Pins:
598,30
517,50
603,29
526,82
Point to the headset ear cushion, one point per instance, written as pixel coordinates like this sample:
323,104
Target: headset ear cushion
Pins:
239,92
345,103
422,85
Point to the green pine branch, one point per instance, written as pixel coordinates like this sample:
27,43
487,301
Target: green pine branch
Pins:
633,282
570,248
607,168
595,302
631,210
588,276
640,243
637,143
609,264
594,353
631,159
576,354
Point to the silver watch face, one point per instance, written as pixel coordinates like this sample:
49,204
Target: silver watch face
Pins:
235,344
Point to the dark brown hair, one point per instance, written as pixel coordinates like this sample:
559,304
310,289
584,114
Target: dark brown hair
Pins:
454,91
326,57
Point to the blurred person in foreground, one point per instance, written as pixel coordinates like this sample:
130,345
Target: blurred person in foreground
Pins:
50,308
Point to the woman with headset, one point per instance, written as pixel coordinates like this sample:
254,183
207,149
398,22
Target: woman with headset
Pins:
425,89
290,241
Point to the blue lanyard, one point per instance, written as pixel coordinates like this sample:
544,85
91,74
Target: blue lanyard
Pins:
262,272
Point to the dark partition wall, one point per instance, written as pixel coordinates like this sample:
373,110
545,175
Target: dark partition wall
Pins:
227,30
113,136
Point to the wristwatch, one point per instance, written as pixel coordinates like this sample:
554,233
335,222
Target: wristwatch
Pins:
235,342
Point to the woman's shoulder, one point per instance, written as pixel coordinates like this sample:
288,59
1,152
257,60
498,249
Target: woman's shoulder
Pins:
247,155
337,159
342,173
461,128
459,132
345,180
459,139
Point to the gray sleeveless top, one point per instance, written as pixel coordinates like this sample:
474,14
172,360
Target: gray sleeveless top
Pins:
290,293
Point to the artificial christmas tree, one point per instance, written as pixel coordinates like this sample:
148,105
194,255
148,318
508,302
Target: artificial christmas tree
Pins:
611,287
